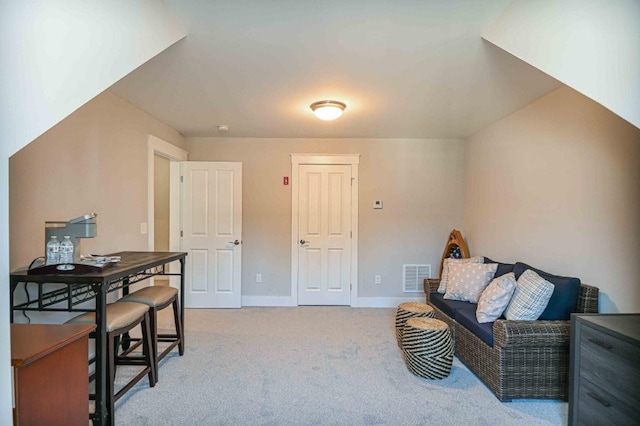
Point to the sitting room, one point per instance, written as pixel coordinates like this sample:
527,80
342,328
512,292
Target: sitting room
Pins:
195,127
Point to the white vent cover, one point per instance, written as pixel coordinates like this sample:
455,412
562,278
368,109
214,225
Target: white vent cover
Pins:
413,277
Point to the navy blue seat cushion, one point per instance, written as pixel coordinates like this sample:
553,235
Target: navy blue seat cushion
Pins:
447,306
466,317
564,299
503,268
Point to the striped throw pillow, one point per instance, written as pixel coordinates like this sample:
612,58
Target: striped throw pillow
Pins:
530,298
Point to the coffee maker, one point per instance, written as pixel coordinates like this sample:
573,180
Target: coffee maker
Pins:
84,226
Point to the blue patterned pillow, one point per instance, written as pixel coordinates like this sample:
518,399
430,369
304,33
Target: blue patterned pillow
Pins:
456,253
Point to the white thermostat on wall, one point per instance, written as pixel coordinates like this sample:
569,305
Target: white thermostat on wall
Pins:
377,204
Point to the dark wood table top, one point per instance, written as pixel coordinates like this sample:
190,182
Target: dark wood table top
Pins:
30,342
131,262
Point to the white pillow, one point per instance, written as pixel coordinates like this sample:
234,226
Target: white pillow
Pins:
495,298
442,288
468,280
531,296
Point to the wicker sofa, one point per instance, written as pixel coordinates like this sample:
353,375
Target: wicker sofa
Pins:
528,359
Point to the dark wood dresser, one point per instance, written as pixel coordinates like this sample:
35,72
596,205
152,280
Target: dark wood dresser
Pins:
604,381
51,378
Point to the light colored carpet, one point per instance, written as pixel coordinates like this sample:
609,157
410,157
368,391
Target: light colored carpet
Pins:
310,366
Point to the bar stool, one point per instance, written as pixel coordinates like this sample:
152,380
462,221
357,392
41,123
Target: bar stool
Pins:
122,317
158,298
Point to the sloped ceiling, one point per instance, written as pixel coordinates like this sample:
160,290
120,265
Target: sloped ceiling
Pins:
407,69
592,46
56,55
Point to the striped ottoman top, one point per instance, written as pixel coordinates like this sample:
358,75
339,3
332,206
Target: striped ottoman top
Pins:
416,307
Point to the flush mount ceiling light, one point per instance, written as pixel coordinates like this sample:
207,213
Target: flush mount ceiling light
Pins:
328,110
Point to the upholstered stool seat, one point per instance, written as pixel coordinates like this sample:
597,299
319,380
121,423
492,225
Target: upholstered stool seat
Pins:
158,298
120,318
153,296
427,347
410,310
119,315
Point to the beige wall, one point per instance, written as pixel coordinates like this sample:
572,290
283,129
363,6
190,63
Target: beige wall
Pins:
420,182
557,185
95,160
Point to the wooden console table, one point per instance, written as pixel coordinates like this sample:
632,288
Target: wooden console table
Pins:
80,288
51,379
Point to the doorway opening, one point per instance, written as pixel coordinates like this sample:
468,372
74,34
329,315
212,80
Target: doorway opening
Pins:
163,195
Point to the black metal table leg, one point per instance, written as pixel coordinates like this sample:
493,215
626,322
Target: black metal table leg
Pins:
104,402
14,285
125,341
182,270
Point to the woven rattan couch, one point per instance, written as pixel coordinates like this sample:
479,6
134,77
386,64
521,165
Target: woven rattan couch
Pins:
528,359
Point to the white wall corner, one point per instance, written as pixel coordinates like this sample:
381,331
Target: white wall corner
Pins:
6,389
592,46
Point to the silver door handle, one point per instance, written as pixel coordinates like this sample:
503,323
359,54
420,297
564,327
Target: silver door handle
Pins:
236,242
303,242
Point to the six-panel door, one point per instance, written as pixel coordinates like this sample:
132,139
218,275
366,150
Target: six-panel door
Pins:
324,210
212,233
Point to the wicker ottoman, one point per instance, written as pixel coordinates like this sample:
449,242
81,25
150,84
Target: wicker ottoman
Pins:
427,347
410,310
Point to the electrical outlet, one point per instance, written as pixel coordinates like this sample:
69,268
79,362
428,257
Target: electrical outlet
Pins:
258,278
378,279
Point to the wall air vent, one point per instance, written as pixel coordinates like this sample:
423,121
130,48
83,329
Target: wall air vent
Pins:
413,277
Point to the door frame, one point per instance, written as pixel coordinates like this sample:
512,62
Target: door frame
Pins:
352,160
157,146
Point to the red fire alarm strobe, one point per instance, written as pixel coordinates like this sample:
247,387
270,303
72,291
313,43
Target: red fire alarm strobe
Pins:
285,180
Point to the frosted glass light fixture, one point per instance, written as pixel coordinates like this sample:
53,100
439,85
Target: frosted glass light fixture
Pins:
328,110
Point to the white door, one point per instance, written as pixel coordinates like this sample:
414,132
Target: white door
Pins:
324,234
212,233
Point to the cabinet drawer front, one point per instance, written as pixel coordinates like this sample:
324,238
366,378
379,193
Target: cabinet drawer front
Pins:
611,363
597,407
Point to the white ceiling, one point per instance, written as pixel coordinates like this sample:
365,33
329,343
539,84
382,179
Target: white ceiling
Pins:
405,69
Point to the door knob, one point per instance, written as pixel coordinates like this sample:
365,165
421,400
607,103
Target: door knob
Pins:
236,242
303,242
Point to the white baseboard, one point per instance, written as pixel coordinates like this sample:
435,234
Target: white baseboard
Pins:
267,301
387,302
360,302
